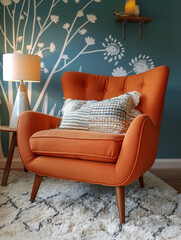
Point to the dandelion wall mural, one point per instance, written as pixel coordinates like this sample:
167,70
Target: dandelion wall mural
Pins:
67,35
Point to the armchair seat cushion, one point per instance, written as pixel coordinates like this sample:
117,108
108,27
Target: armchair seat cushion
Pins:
77,144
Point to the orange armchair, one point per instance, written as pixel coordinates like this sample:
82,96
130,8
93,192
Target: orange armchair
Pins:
139,146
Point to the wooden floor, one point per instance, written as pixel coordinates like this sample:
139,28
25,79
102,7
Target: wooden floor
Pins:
170,176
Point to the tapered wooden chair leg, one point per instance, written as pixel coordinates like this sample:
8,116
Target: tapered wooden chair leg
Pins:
9,160
25,169
36,185
141,180
120,194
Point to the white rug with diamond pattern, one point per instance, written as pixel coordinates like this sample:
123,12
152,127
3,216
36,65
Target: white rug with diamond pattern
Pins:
69,210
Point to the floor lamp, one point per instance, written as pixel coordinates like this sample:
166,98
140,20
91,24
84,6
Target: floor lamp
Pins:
20,67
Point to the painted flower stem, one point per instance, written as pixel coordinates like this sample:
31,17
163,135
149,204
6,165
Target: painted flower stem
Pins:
24,30
39,3
45,87
19,20
43,49
87,5
5,96
13,27
9,13
77,31
94,51
39,24
80,53
33,26
130,72
56,3
46,27
29,92
5,39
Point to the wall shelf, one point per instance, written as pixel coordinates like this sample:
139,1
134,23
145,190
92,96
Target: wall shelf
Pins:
131,19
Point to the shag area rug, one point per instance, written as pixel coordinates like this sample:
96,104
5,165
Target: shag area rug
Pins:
69,210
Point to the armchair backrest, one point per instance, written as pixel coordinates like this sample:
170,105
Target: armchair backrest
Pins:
151,84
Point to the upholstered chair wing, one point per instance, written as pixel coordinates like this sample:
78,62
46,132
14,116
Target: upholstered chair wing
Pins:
138,147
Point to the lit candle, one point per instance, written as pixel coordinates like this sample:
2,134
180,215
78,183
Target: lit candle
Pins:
130,6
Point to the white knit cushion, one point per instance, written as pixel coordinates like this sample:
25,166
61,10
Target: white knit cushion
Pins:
112,115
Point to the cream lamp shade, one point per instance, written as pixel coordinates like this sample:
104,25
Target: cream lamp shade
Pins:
17,67
20,67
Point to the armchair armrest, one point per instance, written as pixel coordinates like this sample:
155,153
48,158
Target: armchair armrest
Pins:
30,122
139,149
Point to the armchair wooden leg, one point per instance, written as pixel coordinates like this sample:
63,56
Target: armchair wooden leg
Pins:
36,185
25,169
120,194
9,160
141,180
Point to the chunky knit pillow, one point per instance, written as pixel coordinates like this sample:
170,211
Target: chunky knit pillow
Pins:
112,115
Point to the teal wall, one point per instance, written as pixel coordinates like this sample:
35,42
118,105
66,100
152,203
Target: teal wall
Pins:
97,48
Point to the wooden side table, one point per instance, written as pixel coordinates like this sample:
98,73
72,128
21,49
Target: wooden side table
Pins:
13,144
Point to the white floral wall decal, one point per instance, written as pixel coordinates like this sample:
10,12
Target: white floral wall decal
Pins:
119,72
82,31
52,47
91,18
141,63
43,68
114,49
66,26
6,2
90,40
